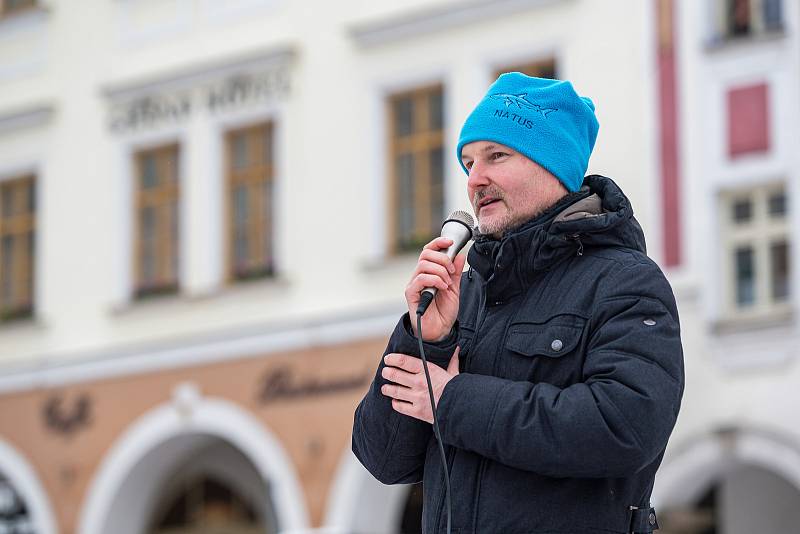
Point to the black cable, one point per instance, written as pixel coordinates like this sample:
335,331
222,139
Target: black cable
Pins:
435,418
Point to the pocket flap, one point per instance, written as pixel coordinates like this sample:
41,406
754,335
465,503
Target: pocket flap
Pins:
551,340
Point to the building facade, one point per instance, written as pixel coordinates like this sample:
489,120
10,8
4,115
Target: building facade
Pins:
209,211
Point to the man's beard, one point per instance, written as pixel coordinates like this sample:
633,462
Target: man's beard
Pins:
500,224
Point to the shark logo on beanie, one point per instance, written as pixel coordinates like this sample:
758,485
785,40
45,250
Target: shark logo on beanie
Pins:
543,119
520,102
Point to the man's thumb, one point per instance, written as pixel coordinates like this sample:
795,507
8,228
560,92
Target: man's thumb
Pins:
452,367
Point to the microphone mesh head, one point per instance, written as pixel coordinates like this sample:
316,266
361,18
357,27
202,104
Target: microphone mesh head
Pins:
462,216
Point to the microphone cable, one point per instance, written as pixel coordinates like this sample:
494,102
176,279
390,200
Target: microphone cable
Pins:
438,434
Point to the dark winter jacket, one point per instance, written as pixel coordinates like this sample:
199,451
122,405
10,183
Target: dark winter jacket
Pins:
570,384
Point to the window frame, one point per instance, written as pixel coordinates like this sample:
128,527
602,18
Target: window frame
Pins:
419,143
172,190
723,30
760,233
229,179
22,222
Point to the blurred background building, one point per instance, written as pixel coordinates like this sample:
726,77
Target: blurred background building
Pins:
209,211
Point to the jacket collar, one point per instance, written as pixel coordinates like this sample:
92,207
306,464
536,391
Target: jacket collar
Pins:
598,215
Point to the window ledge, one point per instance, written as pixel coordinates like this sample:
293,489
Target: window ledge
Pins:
233,291
719,44
21,326
776,318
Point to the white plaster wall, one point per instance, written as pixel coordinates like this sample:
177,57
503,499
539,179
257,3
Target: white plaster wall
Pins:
330,141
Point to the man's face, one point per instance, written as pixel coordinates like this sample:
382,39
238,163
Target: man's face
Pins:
505,187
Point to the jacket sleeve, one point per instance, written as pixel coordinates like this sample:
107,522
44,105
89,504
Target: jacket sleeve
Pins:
392,446
613,423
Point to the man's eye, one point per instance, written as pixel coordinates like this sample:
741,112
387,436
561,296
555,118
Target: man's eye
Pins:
468,165
496,155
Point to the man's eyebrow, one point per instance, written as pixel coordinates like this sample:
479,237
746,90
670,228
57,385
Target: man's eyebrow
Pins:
487,148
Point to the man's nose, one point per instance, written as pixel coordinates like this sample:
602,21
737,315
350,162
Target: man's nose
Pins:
477,176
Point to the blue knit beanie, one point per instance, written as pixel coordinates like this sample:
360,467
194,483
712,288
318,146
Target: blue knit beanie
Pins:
543,119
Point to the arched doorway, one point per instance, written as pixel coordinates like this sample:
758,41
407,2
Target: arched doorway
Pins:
732,482
176,446
214,491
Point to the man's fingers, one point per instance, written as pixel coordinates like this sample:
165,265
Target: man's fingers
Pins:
403,407
399,376
421,281
429,267
438,244
411,364
439,258
398,392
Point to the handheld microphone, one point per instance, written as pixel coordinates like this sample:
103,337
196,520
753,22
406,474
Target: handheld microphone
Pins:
458,227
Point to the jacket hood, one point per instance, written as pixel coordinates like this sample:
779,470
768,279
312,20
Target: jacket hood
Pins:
598,215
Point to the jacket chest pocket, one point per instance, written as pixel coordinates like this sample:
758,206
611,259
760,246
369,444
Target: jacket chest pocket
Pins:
548,351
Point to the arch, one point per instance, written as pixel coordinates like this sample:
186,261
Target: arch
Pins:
23,477
687,473
125,478
357,503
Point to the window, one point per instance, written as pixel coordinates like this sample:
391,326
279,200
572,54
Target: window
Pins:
11,7
545,68
416,192
250,202
748,18
757,250
157,221
17,247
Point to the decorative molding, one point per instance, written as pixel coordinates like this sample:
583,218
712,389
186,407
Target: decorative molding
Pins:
439,19
67,420
30,117
219,87
256,341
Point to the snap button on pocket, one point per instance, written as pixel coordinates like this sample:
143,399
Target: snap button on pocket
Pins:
649,322
557,345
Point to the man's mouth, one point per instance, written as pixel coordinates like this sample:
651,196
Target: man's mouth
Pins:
486,201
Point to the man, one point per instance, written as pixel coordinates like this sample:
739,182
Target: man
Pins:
558,364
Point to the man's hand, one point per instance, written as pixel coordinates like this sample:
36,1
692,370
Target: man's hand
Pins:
435,269
409,392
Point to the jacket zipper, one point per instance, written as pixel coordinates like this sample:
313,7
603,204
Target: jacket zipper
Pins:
478,324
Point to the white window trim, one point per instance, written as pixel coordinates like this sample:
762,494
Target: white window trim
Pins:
219,127
378,165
